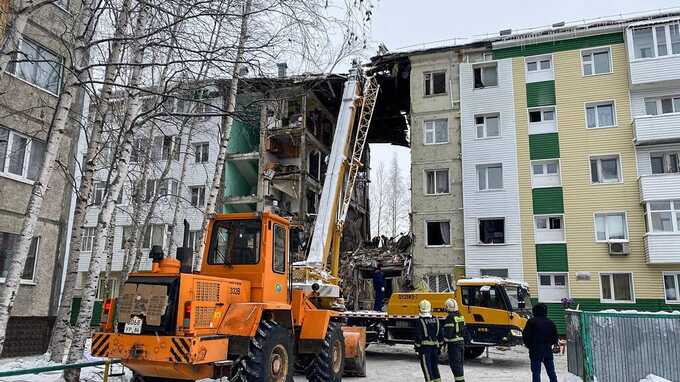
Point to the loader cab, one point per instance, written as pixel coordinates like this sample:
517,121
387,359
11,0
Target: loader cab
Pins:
252,247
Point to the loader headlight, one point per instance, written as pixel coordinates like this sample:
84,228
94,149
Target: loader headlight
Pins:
516,333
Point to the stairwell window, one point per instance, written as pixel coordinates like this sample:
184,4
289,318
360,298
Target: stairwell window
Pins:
492,231
437,182
21,156
596,61
485,75
488,126
37,65
8,245
605,169
600,115
545,173
611,226
664,216
436,131
552,287
671,282
438,233
542,120
490,176
435,83
616,288
549,228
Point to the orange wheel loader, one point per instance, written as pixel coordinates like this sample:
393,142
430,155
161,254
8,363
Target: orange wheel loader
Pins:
238,318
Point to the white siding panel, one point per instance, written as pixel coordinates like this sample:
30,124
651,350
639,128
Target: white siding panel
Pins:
657,128
653,70
502,203
660,187
662,249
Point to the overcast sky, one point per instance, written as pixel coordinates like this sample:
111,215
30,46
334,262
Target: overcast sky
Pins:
404,23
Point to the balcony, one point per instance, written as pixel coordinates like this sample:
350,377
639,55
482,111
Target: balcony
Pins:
653,129
649,71
659,187
662,248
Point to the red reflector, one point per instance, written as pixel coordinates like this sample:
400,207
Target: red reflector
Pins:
107,306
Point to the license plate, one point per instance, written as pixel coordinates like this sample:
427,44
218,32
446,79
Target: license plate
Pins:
133,326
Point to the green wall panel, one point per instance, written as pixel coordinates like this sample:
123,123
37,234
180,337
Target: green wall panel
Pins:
236,184
558,46
96,312
551,258
548,200
541,93
544,146
243,138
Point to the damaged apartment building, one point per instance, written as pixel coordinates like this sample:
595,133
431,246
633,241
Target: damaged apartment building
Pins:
276,159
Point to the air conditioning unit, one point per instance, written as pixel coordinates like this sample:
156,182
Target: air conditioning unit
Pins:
618,248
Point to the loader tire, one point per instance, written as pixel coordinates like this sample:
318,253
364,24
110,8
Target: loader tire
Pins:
270,356
472,352
329,363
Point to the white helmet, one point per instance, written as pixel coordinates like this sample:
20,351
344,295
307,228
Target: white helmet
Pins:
451,305
425,308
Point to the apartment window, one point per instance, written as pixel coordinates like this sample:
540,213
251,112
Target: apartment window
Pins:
198,196
195,238
552,287
8,244
98,192
667,105
139,149
549,228
492,231
665,162
438,233
201,151
154,235
536,64
611,226
490,176
37,65
435,83
163,147
494,272
654,41
671,283
160,188
600,115
437,182
488,126
87,239
664,216
545,173
542,115
436,131
439,283
605,169
128,232
20,155
616,287
485,75
596,61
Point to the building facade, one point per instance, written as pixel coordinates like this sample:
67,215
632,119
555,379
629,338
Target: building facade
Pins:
31,88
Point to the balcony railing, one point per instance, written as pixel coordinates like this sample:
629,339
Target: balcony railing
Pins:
662,248
654,70
652,129
659,187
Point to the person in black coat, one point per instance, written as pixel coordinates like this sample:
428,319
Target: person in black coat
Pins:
540,335
378,288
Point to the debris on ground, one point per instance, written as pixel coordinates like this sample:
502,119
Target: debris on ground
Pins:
357,268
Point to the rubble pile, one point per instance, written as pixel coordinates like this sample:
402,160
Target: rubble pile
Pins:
357,267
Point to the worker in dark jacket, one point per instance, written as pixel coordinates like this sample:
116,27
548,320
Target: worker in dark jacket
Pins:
454,324
379,288
540,335
427,342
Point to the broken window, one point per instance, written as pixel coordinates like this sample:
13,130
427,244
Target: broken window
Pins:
485,75
438,233
492,231
440,283
435,83
311,202
314,165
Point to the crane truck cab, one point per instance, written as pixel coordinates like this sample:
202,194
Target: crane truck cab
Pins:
495,311
238,317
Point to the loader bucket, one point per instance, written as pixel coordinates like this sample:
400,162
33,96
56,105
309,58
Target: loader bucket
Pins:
355,351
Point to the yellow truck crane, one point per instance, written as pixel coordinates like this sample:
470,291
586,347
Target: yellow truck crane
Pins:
242,316
495,312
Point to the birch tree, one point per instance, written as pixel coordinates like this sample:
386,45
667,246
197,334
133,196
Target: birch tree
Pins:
83,27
